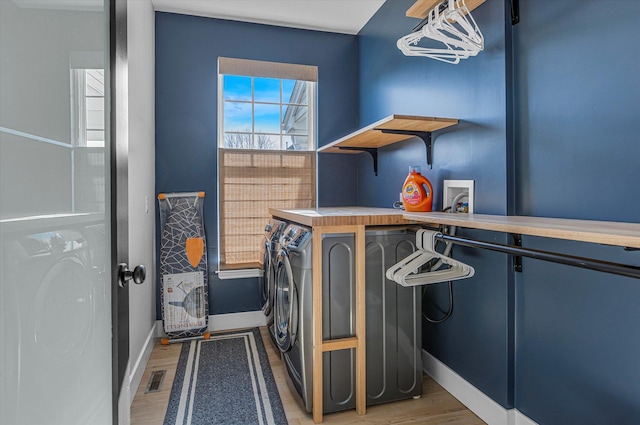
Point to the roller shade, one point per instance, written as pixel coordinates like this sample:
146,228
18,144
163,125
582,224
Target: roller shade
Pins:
251,182
254,68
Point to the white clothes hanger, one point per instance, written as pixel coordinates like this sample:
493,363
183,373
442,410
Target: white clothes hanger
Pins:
405,272
454,28
458,22
439,28
408,43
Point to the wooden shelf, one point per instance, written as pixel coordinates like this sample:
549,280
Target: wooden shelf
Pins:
421,8
373,137
389,130
601,232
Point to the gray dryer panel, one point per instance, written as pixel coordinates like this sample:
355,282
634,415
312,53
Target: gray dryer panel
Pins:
338,319
394,320
394,338
394,313
338,322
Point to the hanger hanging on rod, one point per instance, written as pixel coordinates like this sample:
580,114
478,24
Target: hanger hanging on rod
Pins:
450,25
406,272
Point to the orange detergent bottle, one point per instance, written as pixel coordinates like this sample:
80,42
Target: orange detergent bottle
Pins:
417,192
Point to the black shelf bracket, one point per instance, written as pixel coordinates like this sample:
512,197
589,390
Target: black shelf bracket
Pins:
424,135
371,151
517,260
515,12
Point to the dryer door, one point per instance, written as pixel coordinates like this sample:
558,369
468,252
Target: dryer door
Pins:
286,304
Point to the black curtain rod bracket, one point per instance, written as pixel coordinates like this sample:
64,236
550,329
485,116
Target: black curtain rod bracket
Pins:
517,259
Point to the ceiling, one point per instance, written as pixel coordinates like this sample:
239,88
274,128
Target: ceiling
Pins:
341,16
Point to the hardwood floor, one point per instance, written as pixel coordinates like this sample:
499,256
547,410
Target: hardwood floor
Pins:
436,406
149,409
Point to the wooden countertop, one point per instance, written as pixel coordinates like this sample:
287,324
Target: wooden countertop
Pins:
602,232
342,216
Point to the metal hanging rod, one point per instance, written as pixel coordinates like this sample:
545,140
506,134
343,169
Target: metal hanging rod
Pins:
554,257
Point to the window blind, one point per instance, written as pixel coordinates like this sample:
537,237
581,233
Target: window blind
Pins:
251,182
254,68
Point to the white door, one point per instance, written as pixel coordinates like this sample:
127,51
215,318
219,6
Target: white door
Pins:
59,249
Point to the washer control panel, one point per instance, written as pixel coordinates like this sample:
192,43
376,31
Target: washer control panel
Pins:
294,236
273,229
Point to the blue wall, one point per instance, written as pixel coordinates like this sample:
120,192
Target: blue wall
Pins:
577,96
187,50
474,91
548,127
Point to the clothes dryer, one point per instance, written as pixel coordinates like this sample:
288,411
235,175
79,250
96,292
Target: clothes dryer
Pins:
394,341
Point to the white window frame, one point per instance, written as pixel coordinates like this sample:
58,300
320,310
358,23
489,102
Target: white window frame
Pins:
277,70
282,71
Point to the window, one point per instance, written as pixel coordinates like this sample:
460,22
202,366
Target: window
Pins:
265,113
87,87
266,151
266,105
88,131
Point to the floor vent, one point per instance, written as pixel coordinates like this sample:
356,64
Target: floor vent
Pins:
155,381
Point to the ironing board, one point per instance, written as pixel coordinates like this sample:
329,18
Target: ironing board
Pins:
184,297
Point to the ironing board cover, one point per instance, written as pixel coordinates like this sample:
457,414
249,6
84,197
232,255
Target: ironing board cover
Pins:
184,297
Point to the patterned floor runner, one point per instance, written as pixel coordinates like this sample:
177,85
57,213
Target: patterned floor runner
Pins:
225,380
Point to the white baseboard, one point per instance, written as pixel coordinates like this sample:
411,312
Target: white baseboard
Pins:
477,401
227,322
141,362
521,419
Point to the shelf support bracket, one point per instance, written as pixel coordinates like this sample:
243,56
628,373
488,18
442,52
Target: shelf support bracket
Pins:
517,260
515,12
424,135
371,151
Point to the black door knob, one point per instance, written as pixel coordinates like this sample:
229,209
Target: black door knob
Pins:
125,275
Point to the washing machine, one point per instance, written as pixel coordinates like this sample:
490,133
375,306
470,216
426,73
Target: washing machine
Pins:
394,337
271,242
52,294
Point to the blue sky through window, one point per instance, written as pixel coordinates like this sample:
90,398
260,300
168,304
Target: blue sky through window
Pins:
259,105
237,116
267,90
237,88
